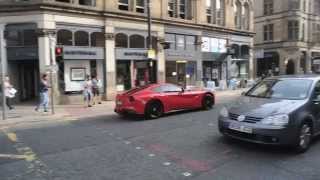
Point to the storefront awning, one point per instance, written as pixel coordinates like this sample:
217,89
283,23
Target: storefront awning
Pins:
209,56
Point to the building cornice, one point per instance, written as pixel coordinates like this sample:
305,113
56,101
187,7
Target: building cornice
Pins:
94,12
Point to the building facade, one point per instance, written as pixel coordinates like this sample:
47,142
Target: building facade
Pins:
287,36
209,40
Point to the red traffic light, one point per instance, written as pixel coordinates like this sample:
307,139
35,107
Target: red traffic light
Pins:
59,51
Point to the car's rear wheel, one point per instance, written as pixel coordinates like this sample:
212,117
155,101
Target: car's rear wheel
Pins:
207,102
304,138
154,110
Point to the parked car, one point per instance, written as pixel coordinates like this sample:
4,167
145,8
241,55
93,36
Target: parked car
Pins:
282,110
154,100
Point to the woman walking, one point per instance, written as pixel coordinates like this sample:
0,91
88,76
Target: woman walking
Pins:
44,93
87,91
95,90
9,92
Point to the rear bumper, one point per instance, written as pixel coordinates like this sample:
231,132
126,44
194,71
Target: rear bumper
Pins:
126,111
261,134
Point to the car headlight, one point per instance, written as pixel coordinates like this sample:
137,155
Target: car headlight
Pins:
224,112
276,120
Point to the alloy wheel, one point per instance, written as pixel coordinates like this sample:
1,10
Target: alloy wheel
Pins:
305,136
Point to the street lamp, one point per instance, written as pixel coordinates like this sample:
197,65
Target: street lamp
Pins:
150,50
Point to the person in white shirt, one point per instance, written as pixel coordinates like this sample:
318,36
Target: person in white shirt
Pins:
87,91
9,92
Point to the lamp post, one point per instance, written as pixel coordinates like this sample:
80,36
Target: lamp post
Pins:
150,64
4,113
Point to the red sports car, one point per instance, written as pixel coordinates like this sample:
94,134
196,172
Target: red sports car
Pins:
154,100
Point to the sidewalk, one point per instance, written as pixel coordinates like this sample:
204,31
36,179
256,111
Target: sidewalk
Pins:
25,114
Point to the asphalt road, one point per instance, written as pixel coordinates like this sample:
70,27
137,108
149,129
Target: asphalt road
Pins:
179,146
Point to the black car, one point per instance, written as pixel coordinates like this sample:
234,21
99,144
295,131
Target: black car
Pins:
282,110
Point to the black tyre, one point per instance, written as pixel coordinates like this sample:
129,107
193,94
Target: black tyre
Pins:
207,102
304,138
154,110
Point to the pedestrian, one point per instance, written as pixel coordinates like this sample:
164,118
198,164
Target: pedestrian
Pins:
44,93
87,91
9,92
96,90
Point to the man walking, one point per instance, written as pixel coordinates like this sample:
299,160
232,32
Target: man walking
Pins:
9,92
44,93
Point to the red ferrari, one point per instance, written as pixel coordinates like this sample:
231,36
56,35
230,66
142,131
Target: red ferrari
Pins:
154,100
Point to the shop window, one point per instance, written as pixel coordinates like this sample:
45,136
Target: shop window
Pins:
171,38
81,38
171,72
30,37
97,39
64,37
137,41
154,42
121,40
123,5
180,42
191,43
87,2
14,38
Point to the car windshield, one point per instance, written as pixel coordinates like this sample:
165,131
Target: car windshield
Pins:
293,89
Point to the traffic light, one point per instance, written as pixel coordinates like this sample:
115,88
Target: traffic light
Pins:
59,53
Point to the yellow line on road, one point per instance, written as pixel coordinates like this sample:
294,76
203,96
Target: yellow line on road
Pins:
13,156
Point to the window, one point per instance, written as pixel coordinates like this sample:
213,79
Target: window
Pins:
180,42
171,11
190,43
170,88
87,2
123,5
121,40
180,9
246,17
14,38
25,37
293,30
268,32
97,39
268,7
137,41
30,37
140,6
316,7
64,37
171,38
316,32
215,11
294,5
81,38
237,12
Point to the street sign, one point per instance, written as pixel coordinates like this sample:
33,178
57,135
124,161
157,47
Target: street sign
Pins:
52,68
151,54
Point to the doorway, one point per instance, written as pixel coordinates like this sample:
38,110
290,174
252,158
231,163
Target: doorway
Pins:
290,67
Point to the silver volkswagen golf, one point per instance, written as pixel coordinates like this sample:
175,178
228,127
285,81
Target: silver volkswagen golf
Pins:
282,110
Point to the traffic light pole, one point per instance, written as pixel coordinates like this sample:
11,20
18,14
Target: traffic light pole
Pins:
51,75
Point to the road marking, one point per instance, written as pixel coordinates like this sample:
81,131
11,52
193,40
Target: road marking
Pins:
166,163
127,142
210,124
151,155
12,156
138,148
187,174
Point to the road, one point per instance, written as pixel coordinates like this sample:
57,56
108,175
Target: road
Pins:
179,146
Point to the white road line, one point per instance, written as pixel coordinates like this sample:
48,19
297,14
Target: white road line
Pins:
151,155
187,174
138,148
166,163
13,156
127,142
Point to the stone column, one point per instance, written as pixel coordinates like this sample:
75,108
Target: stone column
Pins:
251,63
111,89
308,62
161,61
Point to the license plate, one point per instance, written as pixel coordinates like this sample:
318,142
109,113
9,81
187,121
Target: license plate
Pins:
240,128
119,103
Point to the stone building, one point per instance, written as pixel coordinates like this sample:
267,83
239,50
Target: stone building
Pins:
287,36
108,38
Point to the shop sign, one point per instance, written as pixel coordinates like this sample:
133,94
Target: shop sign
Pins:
214,45
132,54
83,53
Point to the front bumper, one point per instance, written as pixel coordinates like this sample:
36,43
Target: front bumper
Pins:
262,134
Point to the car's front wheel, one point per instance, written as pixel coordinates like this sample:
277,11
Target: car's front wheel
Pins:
304,138
154,110
207,102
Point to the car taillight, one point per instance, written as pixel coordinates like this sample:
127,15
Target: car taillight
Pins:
131,99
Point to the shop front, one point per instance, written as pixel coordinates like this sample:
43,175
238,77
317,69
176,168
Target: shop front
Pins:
214,55
134,68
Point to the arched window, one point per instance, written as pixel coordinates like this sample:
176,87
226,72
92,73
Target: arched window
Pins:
137,41
81,38
246,16
64,37
121,40
237,14
97,39
154,42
